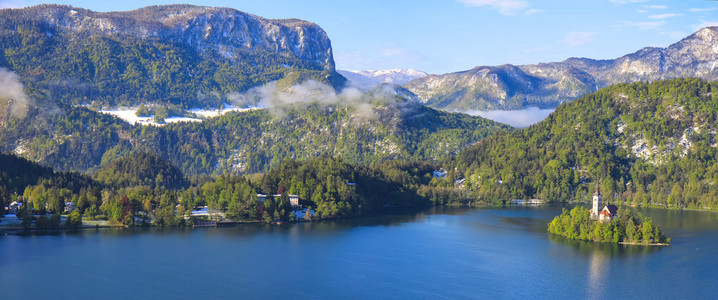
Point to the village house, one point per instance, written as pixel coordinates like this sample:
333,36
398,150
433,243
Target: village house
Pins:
293,199
69,207
441,173
606,213
14,207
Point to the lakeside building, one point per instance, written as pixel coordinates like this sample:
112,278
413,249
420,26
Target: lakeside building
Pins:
14,207
69,207
606,213
293,199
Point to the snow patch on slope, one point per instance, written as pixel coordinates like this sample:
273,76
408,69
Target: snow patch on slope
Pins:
372,78
128,114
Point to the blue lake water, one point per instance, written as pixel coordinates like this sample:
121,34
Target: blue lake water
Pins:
445,253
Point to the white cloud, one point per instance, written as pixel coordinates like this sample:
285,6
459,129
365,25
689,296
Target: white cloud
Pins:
675,35
641,11
651,25
621,2
534,11
13,4
695,10
657,6
579,38
398,53
387,56
505,7
663,16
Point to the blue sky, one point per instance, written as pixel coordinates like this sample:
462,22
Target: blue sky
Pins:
441,36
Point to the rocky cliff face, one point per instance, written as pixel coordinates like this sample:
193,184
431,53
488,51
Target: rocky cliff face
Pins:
187,55
550,84
225,30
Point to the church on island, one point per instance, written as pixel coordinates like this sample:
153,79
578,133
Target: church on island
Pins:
607,213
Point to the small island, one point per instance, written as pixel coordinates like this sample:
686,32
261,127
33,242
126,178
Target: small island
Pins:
608,225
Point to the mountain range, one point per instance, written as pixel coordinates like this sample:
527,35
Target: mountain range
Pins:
652,141
373,78
546,85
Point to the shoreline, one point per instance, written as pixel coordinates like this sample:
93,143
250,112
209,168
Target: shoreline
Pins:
31,229
633,205
643,244
244,222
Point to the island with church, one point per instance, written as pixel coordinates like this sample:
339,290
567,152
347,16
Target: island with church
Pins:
607,224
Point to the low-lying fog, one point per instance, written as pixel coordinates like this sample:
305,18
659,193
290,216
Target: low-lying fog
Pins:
516,118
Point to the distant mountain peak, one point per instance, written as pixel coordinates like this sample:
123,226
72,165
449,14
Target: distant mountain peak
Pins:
372,78
708,34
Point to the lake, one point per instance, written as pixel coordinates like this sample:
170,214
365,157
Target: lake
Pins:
444,253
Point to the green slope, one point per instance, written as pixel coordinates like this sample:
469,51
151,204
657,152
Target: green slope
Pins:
79,139
647,143
53,49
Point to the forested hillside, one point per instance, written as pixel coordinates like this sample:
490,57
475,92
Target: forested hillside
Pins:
185,55
646,143
143,189
370,129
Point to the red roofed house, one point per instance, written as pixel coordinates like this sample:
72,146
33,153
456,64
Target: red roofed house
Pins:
608,213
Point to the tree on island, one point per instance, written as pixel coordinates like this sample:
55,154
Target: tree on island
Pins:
627,227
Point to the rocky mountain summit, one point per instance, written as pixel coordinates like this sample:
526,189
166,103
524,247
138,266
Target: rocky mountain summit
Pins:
550,84
225,30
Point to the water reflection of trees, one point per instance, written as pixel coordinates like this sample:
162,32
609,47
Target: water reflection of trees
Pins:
683,219
604,249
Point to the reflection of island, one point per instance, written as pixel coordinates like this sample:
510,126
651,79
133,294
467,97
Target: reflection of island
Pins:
607,250
597,272
599,257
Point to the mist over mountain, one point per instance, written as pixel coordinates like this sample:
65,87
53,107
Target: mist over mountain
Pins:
301,121
546,85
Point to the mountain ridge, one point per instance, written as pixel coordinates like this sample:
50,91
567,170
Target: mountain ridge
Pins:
371,78
186,55
376,126
182,21
547,85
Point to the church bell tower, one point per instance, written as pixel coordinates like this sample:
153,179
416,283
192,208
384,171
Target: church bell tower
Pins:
596,204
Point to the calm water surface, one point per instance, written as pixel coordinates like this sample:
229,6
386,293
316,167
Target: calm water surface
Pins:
450,253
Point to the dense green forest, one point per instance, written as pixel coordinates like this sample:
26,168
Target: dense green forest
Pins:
143,189
82,66
627,227
645,143
79,139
